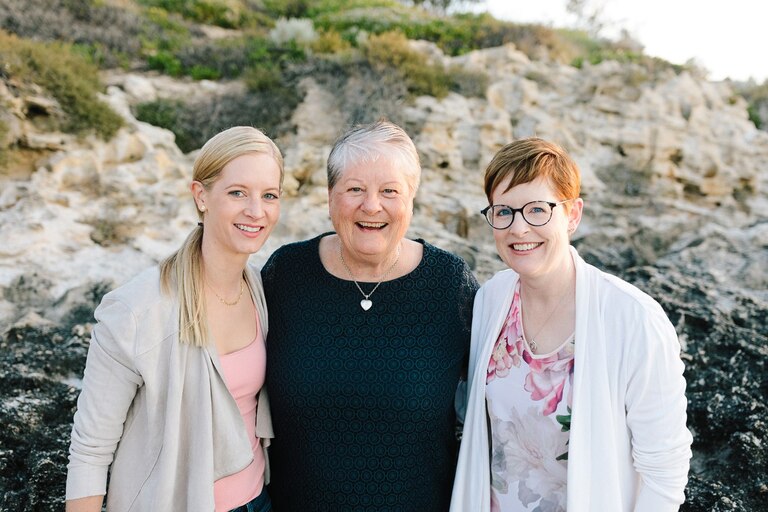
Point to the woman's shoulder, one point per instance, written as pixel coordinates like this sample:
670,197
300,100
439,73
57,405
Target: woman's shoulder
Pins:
140,292
439,257
296,250
293,259
448,266
623,304
501,279
613,292
128,314
620,294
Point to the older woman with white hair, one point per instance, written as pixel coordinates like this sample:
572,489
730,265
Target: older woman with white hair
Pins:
369,335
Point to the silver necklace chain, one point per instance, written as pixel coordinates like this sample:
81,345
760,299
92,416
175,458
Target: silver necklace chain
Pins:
366,302
532,342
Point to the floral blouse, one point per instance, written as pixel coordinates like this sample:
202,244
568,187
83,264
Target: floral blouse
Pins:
530,420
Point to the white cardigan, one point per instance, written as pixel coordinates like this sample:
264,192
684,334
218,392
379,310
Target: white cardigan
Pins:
155,412
629,447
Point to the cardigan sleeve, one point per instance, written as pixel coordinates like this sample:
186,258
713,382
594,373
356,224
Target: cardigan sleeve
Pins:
110,383
656,413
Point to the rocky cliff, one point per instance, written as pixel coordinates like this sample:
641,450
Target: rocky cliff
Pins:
675,187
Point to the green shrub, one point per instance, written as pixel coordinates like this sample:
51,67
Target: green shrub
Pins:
584,48
754,116
263,77
318,8
195,122
455,35
169,114
165,62
214,13
287,8
266,64
102,56
372,19
330,41
211,12
110,34
66,76
223,58
227,58
391,50
163,32
199,72
363,93
462,33
3,147
757,101
468,83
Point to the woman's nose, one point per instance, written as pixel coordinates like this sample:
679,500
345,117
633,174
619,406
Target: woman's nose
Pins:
519,225
371,202
255,208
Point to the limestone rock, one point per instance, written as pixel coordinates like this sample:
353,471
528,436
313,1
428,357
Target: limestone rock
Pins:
675,188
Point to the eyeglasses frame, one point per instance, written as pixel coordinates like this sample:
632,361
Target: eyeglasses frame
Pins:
552,205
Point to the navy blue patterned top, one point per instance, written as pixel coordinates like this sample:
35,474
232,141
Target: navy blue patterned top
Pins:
363,401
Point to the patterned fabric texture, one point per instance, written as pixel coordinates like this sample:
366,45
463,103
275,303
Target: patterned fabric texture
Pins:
363,401
529,400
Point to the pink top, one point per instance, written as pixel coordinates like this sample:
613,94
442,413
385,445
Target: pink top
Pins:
244,372
528,399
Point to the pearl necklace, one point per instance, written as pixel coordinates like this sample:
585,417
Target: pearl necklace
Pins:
366,302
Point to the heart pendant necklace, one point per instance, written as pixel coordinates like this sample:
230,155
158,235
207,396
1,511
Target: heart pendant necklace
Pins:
366,303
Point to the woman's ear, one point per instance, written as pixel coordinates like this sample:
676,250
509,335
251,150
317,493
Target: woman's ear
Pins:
198,193
574,215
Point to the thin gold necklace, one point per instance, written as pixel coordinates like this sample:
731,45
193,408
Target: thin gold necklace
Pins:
366,302
240,296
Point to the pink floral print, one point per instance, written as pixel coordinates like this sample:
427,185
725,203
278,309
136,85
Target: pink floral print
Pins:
547,377
509,346
530,420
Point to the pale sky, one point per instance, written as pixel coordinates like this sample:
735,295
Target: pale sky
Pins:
726,38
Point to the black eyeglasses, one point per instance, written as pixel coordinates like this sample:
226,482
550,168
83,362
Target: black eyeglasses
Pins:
535,213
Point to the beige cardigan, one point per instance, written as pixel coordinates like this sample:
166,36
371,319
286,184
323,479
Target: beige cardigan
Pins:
156,410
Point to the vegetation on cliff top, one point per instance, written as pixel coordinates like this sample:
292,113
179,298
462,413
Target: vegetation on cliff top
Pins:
271,45
71,80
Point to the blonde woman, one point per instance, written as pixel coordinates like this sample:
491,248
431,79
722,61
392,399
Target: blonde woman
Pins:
171,404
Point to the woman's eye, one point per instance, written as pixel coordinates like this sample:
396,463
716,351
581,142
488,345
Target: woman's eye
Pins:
390,192
503,212
237,193
270,195
355,189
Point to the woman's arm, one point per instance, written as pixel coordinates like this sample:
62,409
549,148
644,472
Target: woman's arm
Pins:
656,415
89,504
110,383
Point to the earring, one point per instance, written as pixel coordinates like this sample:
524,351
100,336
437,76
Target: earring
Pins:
202,207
